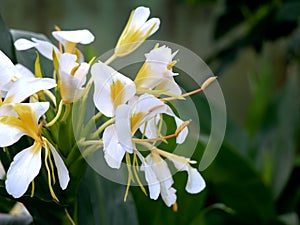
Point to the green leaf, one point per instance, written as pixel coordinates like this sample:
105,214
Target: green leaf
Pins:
236,183
100,202
6,44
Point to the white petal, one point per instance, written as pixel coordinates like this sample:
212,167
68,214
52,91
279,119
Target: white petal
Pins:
70,87
155,22
195,182
24,44
75,36
45,48
67,62
113,151
24,168
37,108
163,174
123,115
169,85
62,171
24,72
23,88
103,77
183,134
9,134
139,17
162,55
7,110
151,127
8,71
153,183
82,71
150,106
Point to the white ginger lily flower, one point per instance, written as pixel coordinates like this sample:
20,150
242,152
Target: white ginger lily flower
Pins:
69,39
111,88
44,47
156,72
27,163
159,178
18,83
117,138
72,77
136,31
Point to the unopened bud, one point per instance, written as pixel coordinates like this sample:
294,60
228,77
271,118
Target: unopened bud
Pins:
207,82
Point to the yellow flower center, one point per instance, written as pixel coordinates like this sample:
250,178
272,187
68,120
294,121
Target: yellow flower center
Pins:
117,92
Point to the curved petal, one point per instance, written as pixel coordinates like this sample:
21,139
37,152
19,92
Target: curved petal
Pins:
24,44
23,88
62,171
8,72
113,151
70,87
153,22
24,168
34,110
7,110
153,183
45,48
76,36
139,17
123,115
10,132
195,182
163,174
67,62
111,88
24,72
169,85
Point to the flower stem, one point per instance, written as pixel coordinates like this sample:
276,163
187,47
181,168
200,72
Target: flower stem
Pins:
53,121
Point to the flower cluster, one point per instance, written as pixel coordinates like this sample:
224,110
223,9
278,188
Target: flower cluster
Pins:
133,111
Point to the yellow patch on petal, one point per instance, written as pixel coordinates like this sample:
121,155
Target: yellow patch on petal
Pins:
26,121
135,121
143,74
117,93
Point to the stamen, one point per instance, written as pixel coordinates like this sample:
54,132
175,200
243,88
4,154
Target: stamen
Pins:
170,66
175,207
53,121
130,177
102,127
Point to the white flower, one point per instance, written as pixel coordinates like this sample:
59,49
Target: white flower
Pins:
69,39
111,88
136,31
27,163
159,179
128,119
44,47
156,73
72,77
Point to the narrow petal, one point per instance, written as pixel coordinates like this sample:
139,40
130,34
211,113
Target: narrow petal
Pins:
76,36
153,22
24,44
24,168
163,174
153,183
111,88
24,88
123,114
62,171
113,151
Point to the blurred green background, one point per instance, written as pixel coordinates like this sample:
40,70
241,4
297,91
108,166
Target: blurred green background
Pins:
253,47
